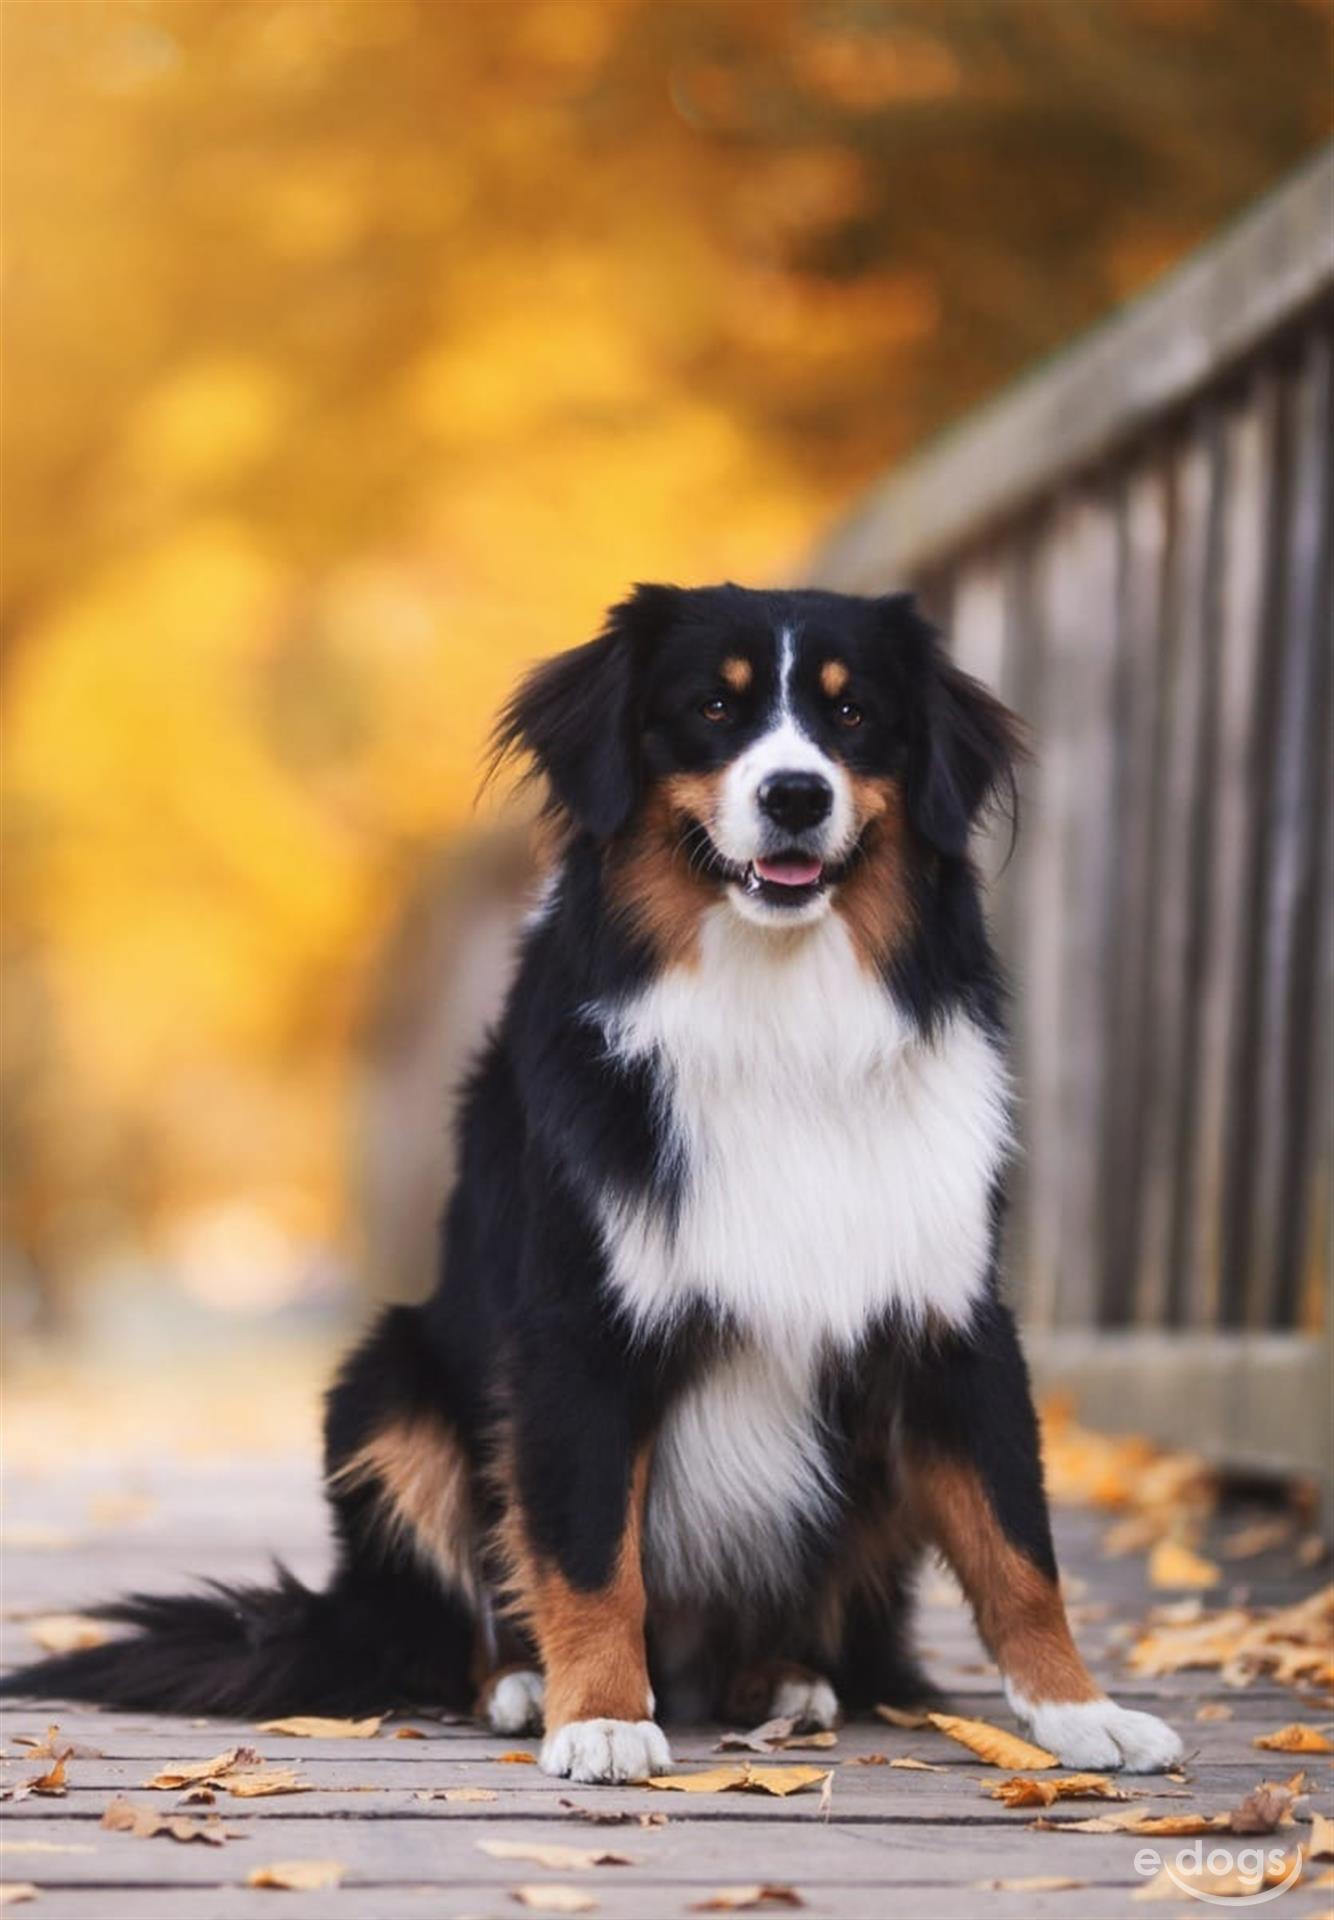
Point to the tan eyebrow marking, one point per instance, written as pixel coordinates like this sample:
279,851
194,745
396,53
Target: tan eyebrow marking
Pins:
737,672
833,678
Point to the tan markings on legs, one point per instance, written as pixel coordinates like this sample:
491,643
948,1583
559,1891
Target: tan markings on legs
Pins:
421,1479
875,900
1020,1613
651,880
738,673
592,1644
833,678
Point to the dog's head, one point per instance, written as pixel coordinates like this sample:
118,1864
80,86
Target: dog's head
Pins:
770,744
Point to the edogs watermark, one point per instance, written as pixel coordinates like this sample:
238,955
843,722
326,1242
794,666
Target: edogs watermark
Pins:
1225,1876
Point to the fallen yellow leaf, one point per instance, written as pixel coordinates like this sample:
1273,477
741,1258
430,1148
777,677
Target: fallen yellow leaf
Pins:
66,1632
262,1781
1165,1826
1020,1791
909,1718
1295,1738
188,1773
458,1793
1321,1844
298,1876
776,1780
1173,1565
1033,1883
312,1726
550,1854
145,1823
556,1899
517,1759
749,1899
17,1891
992,1744
909,1763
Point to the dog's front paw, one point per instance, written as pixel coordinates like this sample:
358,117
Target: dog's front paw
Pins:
606,1751
1099,1734
806,1700
512,1702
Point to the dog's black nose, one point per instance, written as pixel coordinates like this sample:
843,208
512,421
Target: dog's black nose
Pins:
796,800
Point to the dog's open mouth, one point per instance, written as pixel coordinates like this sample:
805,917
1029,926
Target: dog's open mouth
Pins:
787,879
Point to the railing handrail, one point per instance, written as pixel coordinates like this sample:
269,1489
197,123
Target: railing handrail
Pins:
1147,359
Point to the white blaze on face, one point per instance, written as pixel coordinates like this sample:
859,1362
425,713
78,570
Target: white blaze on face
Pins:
740,829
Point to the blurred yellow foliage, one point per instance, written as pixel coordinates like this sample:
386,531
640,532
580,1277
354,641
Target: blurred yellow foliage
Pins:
358,353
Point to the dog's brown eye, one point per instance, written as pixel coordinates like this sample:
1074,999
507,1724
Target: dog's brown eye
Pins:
849,714
716,709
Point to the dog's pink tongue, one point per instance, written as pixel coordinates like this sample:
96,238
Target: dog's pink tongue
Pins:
792,870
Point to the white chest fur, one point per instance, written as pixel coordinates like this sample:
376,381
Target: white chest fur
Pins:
835,1165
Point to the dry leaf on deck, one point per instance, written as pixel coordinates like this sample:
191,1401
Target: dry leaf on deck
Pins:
1264,1808
1214,1710
67,1632
1295,1738
189,1773
1163,1826
776,1780
909,1763
605,1817
408,1733
1032,1883
298,1876
517,1759
749,1900
1321,1844
997,1748
868,1760
1172,1565
911,1719
313,1726
551,1854
145,1823
259,1782
50,1745
198,1796
762,1739
16,1892
458,1793
1261,1536
1020,1791
555,1899
51,1784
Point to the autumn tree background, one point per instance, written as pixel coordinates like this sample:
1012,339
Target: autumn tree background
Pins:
357,352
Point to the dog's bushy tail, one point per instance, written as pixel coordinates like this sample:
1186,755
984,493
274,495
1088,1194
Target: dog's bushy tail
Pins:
252,1652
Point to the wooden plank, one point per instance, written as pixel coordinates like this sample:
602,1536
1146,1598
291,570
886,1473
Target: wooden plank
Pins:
1282,1085
1169,1011
1250,457
1114,384
1065,955
1144,524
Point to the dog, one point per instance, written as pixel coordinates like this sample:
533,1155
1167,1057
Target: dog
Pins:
718,1349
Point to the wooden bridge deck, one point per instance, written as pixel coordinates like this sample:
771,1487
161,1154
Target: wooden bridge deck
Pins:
888,1840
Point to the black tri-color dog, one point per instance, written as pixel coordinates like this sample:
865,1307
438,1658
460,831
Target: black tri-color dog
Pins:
718,1348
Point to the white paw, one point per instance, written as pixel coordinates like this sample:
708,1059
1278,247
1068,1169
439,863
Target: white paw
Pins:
1098,1734
808,1702
515,1703
606,1750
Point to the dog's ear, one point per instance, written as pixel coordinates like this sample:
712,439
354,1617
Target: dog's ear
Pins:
577,715
964,745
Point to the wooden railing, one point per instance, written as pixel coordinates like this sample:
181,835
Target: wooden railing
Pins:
1134,546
